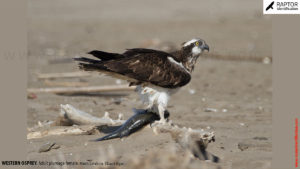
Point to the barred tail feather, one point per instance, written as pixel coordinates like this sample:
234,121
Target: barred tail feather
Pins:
90,64
87,64
104,56
92,67
87,60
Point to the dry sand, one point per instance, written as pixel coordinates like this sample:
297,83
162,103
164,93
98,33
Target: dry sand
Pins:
240,91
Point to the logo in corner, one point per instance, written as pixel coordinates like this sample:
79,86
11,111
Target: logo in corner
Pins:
281,7
270,6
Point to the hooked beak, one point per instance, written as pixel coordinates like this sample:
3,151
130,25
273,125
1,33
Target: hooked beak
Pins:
206,47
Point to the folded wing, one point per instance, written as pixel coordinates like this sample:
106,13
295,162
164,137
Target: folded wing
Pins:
139,66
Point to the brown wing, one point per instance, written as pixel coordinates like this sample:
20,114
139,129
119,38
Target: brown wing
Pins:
142,65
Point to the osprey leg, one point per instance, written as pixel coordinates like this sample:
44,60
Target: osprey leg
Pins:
161,111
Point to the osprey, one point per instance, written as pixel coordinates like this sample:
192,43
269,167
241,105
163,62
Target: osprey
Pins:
156,74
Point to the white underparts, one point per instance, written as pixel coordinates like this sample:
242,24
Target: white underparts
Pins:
154,97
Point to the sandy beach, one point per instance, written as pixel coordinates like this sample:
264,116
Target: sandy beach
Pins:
231,97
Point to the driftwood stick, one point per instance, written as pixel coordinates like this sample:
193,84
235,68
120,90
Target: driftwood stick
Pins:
65,84
76,117
253,58
63,75
70,130
69,90
82,118
41,124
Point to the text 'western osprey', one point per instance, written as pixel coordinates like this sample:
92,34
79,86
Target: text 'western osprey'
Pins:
156,74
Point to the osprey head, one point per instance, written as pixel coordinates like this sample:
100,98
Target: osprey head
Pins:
191,50
195,46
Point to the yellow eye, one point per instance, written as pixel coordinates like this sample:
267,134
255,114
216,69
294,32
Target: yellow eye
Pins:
197,43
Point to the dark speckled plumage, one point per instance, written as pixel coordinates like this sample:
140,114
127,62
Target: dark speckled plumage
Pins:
138,66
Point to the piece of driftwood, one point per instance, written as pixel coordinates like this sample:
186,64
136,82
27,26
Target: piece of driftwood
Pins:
63,75
41,124
70,90
65,84
193,140
78,117
184,135
62,130
85,123
252,58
